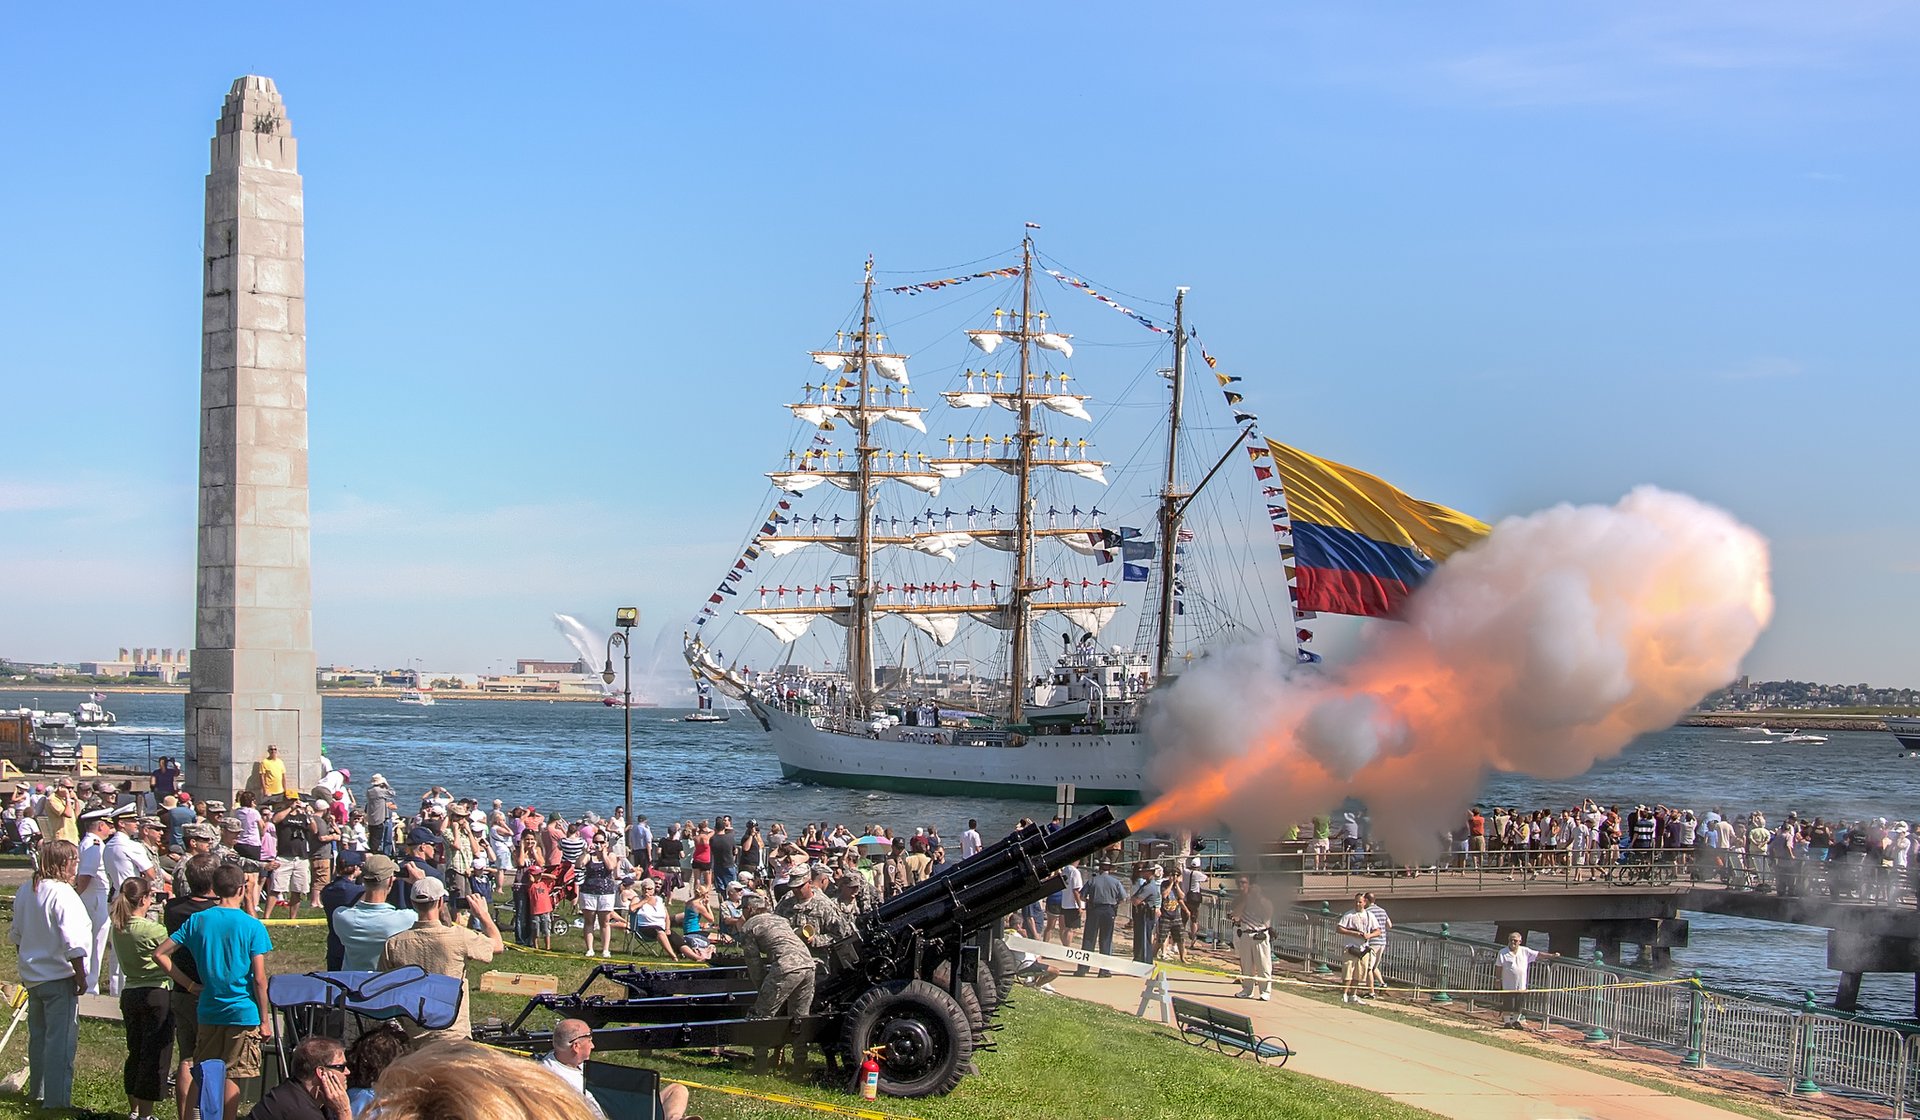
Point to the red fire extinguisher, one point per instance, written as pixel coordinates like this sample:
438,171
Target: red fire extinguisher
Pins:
870,1075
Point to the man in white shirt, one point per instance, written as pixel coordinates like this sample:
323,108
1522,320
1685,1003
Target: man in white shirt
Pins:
970,839
1513,963
572,1046
90,882
126,856
1357,928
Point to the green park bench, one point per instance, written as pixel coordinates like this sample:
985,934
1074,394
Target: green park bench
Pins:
1226,1031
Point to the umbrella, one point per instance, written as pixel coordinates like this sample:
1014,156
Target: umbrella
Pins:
874,842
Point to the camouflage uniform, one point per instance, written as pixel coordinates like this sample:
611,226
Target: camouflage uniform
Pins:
829,922
226,855
779,964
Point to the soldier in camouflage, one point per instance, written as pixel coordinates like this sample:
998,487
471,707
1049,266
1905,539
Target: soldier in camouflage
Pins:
201,836
818,918
780,965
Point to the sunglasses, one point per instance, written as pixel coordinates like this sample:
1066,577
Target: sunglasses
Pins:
341,1066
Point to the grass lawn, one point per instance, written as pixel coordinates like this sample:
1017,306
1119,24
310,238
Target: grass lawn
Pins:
1054,1057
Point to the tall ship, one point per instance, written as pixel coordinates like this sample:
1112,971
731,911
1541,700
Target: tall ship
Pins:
968,577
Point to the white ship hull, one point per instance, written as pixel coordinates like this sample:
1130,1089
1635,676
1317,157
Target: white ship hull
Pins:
1104,769
1905,729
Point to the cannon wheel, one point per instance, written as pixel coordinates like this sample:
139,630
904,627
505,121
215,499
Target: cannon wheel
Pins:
969,1002
928,1040
1005,965
987,990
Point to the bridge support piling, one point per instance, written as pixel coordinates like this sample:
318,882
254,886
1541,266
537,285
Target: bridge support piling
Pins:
1848,997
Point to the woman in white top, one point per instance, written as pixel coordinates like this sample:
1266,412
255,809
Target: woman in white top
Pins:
55,936
650,917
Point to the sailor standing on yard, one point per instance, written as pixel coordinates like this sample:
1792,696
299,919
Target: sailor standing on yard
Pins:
780,966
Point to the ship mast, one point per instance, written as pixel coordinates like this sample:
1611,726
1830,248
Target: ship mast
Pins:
1023,534
1170,495
860,625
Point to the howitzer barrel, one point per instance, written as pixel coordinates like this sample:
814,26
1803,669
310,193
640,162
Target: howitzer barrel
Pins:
999,879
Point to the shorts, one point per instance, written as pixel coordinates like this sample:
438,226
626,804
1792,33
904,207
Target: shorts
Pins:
543,924
293,876
248,851
597,903
322,871
186,1022
239,1047
1070,918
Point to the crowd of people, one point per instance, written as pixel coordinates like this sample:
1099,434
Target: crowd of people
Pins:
162,900
1866,860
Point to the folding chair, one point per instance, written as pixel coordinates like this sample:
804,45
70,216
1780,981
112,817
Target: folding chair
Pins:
624,1092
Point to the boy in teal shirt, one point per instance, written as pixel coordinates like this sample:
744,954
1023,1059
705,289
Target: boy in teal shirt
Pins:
230,946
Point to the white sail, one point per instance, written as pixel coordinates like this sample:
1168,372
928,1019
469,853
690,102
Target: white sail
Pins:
928,484
833,362
797,480
1086,544
999,618
908,416
1055,342
1075,407
815,414
778,546
940,627
845,480
1094,471
987,341
959,399
890,366
944,545
952,470
787,626
1090,619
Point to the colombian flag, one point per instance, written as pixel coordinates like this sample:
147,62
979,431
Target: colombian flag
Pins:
1362,545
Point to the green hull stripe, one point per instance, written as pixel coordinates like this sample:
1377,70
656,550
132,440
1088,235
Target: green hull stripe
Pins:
1010,791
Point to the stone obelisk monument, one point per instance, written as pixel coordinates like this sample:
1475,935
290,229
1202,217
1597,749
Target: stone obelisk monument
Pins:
253,663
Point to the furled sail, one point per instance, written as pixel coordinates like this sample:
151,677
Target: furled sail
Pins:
893,367
987,341
1055,342
785,625
940,627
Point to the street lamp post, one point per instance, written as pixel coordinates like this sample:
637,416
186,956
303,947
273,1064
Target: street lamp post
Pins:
626,618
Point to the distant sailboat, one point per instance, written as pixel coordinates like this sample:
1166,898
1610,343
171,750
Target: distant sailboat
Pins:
703,712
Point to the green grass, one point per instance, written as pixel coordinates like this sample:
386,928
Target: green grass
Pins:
1055,1057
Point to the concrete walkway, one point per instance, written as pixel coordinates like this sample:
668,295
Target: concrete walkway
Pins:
1451,1076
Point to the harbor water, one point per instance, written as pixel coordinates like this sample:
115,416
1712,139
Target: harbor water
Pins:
568,757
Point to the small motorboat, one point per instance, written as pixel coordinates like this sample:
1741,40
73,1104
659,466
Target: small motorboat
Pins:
91,714
1796,736
417,697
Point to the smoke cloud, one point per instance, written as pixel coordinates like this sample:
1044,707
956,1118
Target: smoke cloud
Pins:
1543,649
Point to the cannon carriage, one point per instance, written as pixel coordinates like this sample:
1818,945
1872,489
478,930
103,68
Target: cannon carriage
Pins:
917,983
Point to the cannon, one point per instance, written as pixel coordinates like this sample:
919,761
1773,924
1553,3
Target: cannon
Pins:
918,981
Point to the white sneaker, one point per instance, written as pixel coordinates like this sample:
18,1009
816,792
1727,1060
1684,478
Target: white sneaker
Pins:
1265,996
1049,989
1345,998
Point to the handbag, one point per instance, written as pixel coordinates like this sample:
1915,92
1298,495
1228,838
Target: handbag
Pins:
1356,950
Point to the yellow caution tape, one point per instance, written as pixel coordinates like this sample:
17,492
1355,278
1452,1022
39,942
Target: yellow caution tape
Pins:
513,947
295,921
796,1102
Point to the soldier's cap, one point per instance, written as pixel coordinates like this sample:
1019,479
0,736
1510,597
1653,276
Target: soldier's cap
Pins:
232,824
213,806
429,890
96,815
352,858
822,871
378,868
752,896
200,830
128,810
151,822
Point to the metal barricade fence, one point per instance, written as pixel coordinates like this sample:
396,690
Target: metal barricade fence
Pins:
1802,1048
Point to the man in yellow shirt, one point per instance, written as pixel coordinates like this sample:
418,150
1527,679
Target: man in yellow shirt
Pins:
271,773
61,810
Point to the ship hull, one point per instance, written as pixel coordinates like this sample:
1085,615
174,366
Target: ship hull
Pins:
1103,769
1906,730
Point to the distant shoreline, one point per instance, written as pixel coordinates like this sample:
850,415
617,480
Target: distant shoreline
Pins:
387,693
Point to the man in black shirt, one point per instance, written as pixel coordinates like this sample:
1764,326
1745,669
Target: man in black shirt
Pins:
338,893
293,830
316,1085
726,854
199,871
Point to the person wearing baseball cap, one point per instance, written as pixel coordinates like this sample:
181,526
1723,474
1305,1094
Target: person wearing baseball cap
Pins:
364,927
91,883
438,946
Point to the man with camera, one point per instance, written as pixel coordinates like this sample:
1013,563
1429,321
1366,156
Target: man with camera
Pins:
1357,928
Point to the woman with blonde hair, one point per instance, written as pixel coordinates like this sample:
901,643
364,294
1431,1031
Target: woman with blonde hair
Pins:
463,1080
699,925
55,938
146,999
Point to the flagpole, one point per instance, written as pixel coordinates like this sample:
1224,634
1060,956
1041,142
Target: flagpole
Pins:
1170,494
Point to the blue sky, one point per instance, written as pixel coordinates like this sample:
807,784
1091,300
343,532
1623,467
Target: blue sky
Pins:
562,266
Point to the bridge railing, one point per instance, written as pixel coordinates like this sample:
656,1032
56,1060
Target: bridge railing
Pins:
1802,1047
